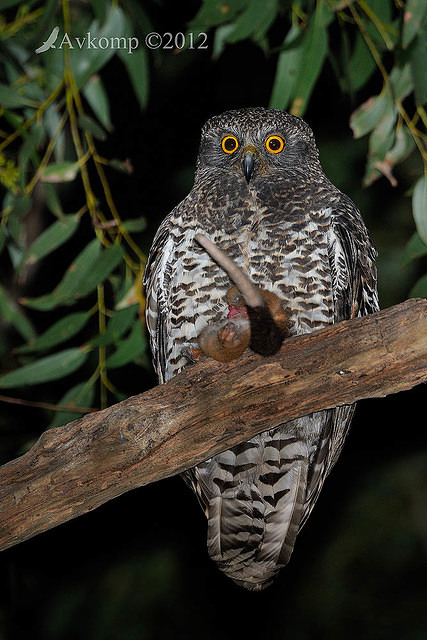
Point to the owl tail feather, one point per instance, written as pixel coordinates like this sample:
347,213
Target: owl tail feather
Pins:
252,527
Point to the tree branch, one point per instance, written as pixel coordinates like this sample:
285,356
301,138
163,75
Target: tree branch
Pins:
205,410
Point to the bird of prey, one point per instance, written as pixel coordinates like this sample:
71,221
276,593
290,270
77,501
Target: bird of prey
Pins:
260,194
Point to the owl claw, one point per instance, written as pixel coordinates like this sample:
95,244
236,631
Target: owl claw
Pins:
192,354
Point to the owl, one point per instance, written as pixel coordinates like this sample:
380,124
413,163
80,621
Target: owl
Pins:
260,194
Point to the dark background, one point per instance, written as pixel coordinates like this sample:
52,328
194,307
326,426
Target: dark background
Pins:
137,568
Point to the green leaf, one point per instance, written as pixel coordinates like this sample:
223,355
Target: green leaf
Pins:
419,290
361,65
136,64
135,225
419,207
401,81
370,114
215,12
382,137
59,172
402,147
32,140
315,48
81,395
49,368
418,62
12,98
287,69
124,166
96,96
51,121
90,58
88,124
119,324
52,200
11,314
100,9
59,332
20,204
89,269
413,19
257,16
415,248
128,350
220,39
53,237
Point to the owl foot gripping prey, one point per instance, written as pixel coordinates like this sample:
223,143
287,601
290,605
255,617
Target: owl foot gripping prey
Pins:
261,196
256,318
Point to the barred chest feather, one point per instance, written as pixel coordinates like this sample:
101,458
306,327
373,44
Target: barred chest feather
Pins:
284,251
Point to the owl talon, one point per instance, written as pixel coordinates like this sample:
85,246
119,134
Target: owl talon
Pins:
192,354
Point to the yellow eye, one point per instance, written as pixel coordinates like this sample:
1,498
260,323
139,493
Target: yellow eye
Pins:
229,144
275,144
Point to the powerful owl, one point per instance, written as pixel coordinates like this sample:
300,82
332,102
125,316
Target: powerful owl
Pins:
260,195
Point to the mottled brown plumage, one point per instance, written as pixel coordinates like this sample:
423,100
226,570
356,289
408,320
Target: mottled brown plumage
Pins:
261,195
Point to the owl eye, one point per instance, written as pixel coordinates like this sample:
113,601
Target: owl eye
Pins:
229,144
275,144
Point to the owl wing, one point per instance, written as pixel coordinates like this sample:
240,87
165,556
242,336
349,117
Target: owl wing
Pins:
157,277
354,284
352,259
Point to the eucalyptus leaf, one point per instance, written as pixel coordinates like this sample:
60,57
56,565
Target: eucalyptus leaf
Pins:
90,268
419,207
32,140
419,290
136,64
53,237
86,123
314,51
287,69
13,98
215,12
256,16
46,369
59,172
361,64
418,62
52,200
415,248
51,121
128,350
401,81
382,137
413,19
12,315
404,144
96,96
62,330
220,39
370,113
119,324
135,225
87,56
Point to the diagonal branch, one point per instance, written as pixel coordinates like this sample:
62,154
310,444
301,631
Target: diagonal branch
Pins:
205,410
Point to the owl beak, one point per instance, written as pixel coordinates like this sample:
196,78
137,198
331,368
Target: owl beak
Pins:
248,163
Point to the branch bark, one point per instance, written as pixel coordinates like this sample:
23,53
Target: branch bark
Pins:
205,410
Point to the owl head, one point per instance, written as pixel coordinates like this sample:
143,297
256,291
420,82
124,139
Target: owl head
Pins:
255,142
